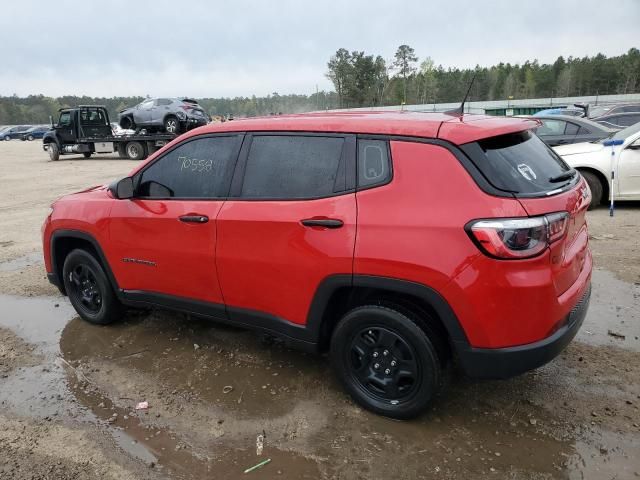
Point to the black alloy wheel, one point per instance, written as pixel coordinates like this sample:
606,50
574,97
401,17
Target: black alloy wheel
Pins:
386,360
383,364
85,288
89,289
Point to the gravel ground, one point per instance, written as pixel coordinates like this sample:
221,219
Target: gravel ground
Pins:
68,390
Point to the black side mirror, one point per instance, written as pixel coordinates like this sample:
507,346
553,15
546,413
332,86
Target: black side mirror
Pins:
122,189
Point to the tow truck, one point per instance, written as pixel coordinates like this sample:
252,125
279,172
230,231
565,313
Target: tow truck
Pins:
86,129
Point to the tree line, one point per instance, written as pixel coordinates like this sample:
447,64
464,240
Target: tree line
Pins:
363,80
368,80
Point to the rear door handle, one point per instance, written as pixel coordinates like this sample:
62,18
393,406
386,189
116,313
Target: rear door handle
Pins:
194,218
322,222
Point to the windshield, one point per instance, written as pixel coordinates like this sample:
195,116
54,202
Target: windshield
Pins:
627,132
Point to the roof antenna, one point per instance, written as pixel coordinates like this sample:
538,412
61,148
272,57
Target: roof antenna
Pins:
460,110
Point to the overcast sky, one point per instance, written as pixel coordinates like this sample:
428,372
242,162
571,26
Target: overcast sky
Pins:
211,49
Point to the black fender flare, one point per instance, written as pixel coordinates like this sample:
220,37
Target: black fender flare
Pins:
51,137
78,234
332,283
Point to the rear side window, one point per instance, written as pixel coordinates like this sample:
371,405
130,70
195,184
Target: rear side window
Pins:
518,162
373,163
200,168
293,167
572,129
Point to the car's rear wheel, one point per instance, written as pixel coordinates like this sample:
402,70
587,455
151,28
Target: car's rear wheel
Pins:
595,185
135,150
87,154
54,151
89,289
30,138
385,361
172,124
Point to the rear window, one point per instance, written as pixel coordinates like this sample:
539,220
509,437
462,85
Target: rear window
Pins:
518,162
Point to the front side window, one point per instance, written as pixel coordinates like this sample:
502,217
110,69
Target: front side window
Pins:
293,167
551,127
200,168
147,104
65,119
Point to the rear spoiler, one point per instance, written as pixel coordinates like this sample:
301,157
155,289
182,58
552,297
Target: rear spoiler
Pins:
584,107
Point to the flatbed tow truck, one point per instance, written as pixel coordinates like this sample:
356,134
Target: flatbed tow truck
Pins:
86,129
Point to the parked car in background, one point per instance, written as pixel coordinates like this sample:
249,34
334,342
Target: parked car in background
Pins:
618,120
562,129
254,222
14,132
596,111
32,133
173,115
593,161
568,111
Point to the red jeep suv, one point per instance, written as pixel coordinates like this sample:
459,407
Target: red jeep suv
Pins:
396,241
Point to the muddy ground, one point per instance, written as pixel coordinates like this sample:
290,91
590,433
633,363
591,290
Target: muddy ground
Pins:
68,390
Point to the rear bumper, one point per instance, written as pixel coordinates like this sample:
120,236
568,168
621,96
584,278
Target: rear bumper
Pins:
511,361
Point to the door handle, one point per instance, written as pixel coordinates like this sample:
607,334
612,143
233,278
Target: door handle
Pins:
194,218
322,222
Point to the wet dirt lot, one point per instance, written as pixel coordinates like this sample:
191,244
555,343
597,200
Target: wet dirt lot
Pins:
68,390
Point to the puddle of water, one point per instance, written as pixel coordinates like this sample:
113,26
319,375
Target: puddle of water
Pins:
62,391
614,308
20,263
95,372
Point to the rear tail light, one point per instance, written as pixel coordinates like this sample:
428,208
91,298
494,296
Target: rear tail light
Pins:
515,238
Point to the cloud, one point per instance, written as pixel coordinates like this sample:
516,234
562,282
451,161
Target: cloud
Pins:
210,49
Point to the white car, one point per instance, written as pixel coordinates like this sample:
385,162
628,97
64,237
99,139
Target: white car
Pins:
593,160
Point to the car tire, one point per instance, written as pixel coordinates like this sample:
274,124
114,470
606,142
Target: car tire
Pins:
7,138
54,151
172,124
595,185
89,289
122,150
135,151
127,123
30,138
385,361
86,154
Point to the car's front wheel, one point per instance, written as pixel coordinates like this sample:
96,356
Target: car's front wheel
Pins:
385,361
127,123
30,138
89,289
54,151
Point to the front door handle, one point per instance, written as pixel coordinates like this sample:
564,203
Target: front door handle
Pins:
322,222
194,218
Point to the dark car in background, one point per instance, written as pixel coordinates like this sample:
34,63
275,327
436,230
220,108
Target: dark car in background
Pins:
618,121
35,132
597,111
173,115
563,130
14,132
